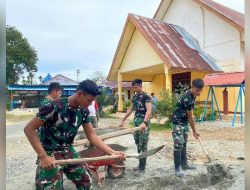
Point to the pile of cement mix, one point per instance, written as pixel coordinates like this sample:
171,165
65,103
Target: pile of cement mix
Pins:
218,172
214,176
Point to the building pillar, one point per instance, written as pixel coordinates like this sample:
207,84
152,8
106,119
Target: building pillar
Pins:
168,79
120,102
225,101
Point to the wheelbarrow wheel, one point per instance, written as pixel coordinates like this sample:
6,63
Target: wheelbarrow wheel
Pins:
115,172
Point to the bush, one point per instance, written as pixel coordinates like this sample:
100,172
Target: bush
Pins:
208,116
198,110
8,106
114,109
126,106
165,107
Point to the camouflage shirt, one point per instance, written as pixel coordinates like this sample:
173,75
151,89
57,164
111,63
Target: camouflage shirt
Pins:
61,124
45,102
139,104
184,104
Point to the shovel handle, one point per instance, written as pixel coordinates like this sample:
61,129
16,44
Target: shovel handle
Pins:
86,160
204,150
108,136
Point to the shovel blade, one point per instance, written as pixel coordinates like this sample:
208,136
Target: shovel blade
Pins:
150,152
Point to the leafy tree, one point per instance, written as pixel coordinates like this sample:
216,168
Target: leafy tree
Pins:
98,77
20,56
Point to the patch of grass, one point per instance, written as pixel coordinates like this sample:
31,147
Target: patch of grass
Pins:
155,126
17,118
108,115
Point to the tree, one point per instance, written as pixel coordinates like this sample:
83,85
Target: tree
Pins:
40,78
23,80
98,77
30,78
20,56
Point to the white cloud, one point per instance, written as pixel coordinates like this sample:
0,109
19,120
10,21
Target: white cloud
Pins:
79,34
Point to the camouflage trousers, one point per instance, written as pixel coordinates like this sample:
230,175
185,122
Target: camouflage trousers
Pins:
180,136
53,179
141,137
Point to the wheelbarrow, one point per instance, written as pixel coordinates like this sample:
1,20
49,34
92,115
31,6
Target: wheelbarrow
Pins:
98,169
93,159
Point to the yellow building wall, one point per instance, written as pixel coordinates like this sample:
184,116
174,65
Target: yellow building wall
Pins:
156,86
139,54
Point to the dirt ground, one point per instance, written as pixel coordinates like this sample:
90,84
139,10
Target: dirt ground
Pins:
224,144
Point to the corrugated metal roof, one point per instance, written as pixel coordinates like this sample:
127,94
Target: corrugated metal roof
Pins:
37,87
223,79
114,84
230,14
62,80
174,45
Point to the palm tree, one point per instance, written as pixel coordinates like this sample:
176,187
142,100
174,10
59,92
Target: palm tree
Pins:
40,78
30,78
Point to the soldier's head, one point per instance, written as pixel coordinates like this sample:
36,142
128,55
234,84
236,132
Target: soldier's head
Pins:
197,87
137,85
55,90
86,92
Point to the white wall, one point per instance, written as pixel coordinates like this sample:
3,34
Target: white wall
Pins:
217,37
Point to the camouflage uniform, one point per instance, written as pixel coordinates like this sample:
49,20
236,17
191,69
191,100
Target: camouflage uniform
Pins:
180,127
180,130
45,102
141,137
61,123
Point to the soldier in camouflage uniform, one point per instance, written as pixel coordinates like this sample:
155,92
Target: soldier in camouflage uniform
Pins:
60,121
141,104
54,92
181,117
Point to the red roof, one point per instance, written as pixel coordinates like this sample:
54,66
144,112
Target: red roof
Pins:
221,79
175,50
114,84
230,14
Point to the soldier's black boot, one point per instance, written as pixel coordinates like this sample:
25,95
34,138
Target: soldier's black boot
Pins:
142,164
184,164
177,163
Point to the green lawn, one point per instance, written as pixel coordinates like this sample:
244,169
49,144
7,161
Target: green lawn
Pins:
155,126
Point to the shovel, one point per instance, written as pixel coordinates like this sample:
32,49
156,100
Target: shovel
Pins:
204,150
103,158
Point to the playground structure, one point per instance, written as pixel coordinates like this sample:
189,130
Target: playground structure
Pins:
225,80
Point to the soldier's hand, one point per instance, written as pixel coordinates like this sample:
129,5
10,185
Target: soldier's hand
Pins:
196,135
47,162
143,126
122,155
122,124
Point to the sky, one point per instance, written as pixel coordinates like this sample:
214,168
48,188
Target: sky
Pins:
79,34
